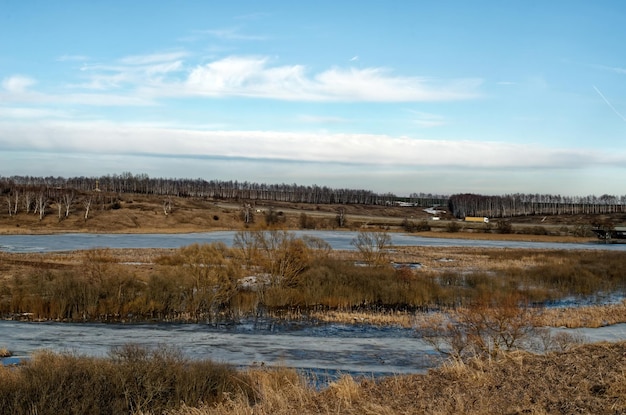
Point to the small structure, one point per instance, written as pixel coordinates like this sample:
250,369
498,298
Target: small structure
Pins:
476,219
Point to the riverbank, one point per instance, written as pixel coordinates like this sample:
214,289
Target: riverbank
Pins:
136,214
588,379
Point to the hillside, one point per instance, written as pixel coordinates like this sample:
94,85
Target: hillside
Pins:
134,213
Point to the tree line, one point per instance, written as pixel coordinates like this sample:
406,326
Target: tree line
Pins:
32,194
520,204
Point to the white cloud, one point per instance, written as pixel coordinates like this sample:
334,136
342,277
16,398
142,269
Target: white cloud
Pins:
233,33
155,58
73,99
254,77
17,83
321,119
31,113
142,79
132,71
357,149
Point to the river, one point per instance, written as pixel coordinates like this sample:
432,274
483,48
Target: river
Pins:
325,349
340,240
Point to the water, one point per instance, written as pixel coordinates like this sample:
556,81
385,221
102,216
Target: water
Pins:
323,349
340,240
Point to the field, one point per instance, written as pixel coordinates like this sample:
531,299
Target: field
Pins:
153,214
470,287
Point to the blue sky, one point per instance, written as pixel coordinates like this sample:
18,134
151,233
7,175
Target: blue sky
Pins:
487,97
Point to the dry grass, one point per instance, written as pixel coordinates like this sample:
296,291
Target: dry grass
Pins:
136,213
132,380
589,316
4,352
570,317
449,277
589,379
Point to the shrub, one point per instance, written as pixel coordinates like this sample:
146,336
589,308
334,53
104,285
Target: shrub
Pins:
504,226
485,329
411,226
131,380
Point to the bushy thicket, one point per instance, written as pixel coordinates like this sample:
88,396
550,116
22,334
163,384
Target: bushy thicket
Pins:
277,272
131,380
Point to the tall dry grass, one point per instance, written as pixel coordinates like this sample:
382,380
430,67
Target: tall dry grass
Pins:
587,379
187,285
132,380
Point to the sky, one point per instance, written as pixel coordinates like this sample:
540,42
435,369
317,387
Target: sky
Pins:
489,97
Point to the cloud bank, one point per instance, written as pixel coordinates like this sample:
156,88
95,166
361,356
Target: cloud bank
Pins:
356,149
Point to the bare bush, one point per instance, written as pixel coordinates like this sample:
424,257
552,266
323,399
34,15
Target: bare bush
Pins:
484,329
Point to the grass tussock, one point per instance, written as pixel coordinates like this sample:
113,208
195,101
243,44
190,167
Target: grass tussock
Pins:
589,316
131,380
587,379
4,352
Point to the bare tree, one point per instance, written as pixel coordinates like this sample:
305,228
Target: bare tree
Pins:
40,204
9,203
16,193
87,205
373,247
484,329
60,209
68,198
283,256
28,200
246,213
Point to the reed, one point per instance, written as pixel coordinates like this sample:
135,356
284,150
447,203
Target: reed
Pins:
584,379
132,380
100,285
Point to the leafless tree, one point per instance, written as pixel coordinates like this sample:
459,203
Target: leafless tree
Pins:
41,203
373,247
9,203
68,198
87,206
28,200
59,209
246,213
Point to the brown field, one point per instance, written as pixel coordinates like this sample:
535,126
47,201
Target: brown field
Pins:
145,214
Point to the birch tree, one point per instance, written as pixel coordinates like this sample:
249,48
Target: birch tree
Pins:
87,205
68,198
